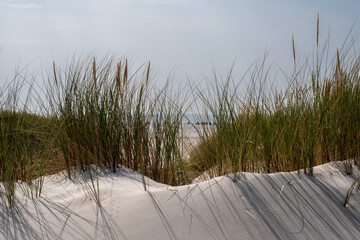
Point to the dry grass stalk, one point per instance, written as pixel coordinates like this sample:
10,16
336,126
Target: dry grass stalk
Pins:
55,77
148,74
94,71
125,73
338,69
118,76
293,49
317,30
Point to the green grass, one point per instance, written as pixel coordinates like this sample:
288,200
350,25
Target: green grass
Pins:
105,113
25,145
313,121
109,116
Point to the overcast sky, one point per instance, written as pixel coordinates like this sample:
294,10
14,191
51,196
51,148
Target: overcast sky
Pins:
192,36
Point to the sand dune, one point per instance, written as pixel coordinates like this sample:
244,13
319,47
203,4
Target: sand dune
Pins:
269,206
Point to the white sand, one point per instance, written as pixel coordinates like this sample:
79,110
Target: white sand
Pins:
274,206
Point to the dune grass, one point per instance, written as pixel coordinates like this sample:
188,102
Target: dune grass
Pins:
101,114
105,113
109,116
304,127
25,144
313,121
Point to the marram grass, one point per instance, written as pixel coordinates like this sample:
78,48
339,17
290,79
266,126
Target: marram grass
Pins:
315,120
105,113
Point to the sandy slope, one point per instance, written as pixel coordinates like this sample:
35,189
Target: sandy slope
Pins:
274,206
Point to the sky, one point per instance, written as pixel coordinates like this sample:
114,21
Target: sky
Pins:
190,38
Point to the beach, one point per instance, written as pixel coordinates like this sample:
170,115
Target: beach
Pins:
258,206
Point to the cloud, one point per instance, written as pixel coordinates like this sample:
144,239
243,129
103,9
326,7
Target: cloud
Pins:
21,5
167,2
23,42
164,1
125,1
66,26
